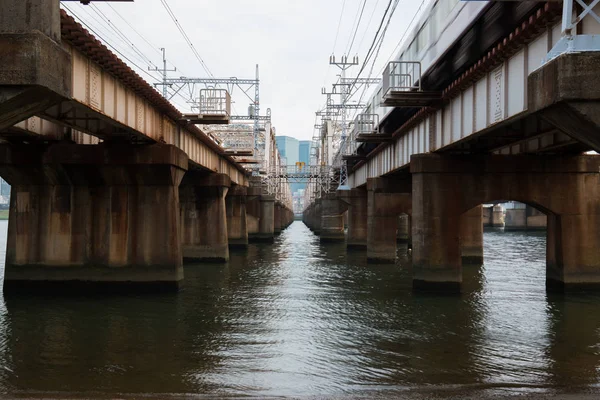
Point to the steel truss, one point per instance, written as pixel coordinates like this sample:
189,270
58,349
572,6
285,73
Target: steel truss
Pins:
189,87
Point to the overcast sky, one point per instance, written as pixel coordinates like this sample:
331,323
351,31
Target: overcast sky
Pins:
291,40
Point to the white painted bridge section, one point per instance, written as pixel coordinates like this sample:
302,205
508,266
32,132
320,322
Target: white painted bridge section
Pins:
498,97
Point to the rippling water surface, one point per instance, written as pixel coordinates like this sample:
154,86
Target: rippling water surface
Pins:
306,320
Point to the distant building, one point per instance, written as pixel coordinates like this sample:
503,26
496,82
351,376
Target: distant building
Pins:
304,151
4,194
289,148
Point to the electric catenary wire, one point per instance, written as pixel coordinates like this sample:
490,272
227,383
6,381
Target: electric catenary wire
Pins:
362,10
408,27
369,53
108,43
121,35
186,37
115,49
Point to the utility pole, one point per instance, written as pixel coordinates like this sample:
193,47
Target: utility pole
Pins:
343,65
256,121
163,72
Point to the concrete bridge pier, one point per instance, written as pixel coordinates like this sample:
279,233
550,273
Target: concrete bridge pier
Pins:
266,222
497,216
277,227
471,236
253,212
285,217
204,217
527,218
315,217
566,188
387,199
403,232
332,218
35,72
308,217
356,201
237,227
290,217
93,217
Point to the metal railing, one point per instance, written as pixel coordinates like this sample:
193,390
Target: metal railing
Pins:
366,124
402,76
214,102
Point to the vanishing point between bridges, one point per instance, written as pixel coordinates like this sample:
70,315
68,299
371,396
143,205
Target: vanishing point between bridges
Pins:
431,231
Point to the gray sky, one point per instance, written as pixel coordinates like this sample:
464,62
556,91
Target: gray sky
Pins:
290,40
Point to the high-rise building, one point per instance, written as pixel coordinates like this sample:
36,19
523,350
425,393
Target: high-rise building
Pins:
304,147
289,148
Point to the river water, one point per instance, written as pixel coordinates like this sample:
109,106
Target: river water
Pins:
300,319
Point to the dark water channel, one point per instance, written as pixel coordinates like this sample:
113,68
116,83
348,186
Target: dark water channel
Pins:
299,319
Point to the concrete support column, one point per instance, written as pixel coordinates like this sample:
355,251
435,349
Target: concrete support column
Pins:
316,217
497,216
308,217
387,199
31,15
471,236
332,219
204,217
526,218
253,212
403,234
487,216
237,228
567,188
516,219
277,218
536,220
35,72
93,217
357,200
266,226
572,260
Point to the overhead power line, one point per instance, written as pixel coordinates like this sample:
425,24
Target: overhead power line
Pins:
362,10
186,37
406,31
368,25
408,27
109,44
153,46
121,35
101,30
374,42
337,33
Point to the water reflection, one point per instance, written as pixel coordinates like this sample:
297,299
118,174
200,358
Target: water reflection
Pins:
573,347
303,319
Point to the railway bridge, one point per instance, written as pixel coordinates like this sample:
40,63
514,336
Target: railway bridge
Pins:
486,101
111,185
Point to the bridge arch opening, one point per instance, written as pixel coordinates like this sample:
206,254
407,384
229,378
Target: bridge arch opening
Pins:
517,242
